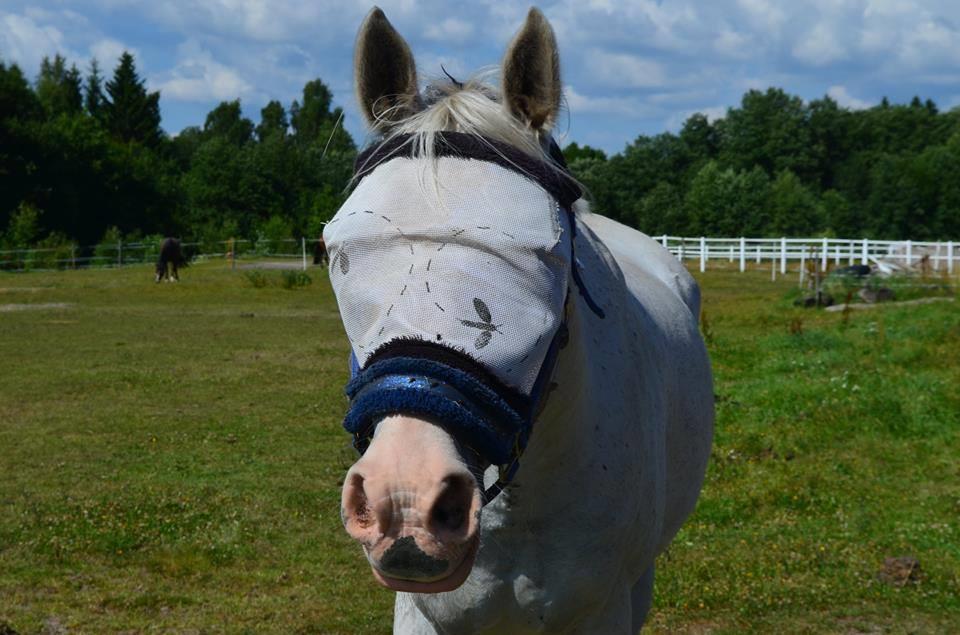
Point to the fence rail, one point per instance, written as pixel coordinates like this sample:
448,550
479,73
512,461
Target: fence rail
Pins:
893,254
779,252
121,254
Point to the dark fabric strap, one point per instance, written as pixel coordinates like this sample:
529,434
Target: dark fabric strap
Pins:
552,178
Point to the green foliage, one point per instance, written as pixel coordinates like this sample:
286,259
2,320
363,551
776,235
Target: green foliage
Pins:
58,88
793,209
273,121
55,251
24,228
110,248
273,236
227,122
256,278
722,202
93,98
294,279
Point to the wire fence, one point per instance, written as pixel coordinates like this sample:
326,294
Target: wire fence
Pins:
119,254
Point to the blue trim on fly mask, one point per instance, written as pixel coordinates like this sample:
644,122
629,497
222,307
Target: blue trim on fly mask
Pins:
481,419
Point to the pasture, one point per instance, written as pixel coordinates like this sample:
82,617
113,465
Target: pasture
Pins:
171,460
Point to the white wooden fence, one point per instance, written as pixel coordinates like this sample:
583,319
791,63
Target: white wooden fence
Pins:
839,251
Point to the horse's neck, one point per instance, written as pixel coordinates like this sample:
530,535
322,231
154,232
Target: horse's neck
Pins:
558,448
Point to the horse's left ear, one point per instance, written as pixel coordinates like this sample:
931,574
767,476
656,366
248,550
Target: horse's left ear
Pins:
531,73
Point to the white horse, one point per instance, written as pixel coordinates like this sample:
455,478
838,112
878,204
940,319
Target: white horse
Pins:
619,391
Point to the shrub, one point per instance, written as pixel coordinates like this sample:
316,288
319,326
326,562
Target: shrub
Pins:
256,278
107,250
294,279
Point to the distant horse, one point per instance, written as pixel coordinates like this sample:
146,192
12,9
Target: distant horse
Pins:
531,395
320,255
171,259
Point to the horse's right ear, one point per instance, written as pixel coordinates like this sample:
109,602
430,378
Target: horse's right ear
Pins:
385,73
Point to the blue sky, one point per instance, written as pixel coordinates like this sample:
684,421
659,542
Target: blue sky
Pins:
629,67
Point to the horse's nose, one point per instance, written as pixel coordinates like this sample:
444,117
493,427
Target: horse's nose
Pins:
374,508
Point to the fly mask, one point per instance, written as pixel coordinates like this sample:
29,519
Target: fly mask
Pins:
451,277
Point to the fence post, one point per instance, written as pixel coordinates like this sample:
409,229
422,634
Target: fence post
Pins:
783,256
850,245
950,257
663,240
303,249
836,255
866,250
758,254
743,255
909,253
803,264
825,255
703,254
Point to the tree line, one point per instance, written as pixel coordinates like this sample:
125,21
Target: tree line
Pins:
83,159
777,166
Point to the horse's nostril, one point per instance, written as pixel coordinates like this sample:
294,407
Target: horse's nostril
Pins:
449,513
357,508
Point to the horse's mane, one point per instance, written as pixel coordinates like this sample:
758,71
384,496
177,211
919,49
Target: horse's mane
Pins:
472,107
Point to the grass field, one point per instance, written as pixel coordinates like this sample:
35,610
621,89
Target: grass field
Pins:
171,461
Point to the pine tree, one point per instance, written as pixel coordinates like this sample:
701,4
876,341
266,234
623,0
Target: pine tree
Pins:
131,114
93,91
58,89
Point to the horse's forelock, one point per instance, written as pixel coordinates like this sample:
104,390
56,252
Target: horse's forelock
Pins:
472,107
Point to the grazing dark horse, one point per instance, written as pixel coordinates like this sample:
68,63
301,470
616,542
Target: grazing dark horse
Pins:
320,252
171,259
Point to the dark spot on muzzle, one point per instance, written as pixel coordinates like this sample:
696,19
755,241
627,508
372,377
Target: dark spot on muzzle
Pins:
404,559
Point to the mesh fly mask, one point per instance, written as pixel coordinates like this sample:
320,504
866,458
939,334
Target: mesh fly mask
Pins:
451,279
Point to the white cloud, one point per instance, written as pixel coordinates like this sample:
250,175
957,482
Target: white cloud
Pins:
842,96
733,44
624,106
450,29
107,51
624,70
199,77
25,42
819,46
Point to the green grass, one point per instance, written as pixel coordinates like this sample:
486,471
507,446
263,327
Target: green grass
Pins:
171,459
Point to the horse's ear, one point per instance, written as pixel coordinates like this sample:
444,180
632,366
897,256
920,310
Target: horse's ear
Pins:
531,73
385,72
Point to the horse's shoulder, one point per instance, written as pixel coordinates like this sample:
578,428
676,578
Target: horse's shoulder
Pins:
642,258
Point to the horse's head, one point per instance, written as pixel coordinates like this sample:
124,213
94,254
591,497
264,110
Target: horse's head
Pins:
450,262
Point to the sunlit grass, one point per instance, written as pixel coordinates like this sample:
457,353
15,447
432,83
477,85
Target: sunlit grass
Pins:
172,457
